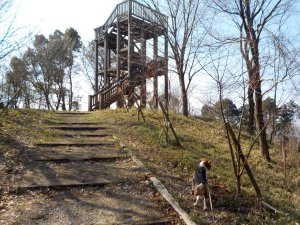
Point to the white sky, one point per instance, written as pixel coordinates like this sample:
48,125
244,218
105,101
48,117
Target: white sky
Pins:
44,17
47,16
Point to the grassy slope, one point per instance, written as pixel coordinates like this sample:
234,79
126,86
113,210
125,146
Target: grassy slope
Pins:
174,165
26,126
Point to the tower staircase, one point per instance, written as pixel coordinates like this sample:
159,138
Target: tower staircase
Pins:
121,43
110,94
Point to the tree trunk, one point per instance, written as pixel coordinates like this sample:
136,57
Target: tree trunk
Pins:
131,96
48,103
272,133
284,161
71,90
238,185
260,126
58,102
185,105
244,49
46,91
251,109
244,160
40,100
27,101
63,106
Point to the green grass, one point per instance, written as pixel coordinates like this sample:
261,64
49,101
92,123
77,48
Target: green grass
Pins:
174,165
26,126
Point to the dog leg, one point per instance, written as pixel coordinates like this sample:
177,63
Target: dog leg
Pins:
197,200
204,204
193,187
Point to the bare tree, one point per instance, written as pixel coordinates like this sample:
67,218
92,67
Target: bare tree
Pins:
285,68
221,72
251,19
185,39
12,38
88,61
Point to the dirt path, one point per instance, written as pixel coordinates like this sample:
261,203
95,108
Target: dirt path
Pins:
81,176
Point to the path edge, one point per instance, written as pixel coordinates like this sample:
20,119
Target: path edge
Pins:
167,196
161,189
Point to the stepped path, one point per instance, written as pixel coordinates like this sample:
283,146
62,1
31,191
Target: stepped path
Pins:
81,175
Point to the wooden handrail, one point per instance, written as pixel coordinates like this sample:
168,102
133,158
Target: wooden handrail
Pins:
139,10
120,9
107,94
115,83
146,13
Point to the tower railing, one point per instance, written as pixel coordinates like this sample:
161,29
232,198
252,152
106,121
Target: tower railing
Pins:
107,95
137,10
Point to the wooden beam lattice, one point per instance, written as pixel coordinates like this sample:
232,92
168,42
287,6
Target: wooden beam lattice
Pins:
123,38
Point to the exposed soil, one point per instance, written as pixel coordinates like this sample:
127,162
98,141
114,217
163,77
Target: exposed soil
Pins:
76,185
130,202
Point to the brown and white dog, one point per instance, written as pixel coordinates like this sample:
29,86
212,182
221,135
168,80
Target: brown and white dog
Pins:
199,184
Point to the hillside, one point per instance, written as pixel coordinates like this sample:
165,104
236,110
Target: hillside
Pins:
174,165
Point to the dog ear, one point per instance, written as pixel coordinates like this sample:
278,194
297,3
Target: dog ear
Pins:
208,164
204,160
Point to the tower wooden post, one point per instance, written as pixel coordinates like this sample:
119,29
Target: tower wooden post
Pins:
155,82
143,96
166,72
105,62
130,24
120,101
96,87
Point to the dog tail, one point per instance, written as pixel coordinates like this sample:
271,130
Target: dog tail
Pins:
200,185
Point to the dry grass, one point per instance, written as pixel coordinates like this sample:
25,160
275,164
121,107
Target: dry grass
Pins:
174,165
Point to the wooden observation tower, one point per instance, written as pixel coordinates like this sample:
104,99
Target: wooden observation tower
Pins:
127,54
